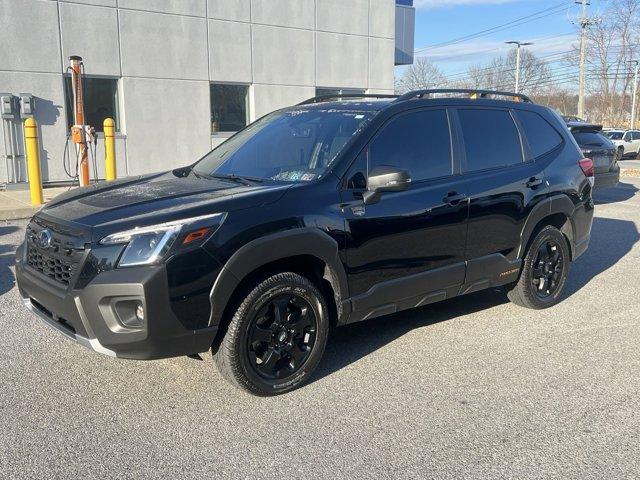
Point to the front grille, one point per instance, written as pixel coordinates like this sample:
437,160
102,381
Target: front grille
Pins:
56,268
58,259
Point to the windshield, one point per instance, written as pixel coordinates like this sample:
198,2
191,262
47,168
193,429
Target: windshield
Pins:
292,145
614,135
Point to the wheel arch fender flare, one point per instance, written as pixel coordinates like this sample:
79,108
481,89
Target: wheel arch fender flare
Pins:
270,248
558,204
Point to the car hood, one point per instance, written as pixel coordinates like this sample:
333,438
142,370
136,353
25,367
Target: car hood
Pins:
145,200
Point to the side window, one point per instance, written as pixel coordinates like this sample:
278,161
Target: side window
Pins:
541,136
635,135
418,142
627,136
357,176
490,139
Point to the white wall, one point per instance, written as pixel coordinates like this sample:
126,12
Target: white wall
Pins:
166,52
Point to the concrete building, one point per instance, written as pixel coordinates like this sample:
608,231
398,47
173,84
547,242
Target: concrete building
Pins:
180,76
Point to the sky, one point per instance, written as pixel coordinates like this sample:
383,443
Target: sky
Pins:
441,21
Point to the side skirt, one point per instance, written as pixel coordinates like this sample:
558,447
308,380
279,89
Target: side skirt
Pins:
433,286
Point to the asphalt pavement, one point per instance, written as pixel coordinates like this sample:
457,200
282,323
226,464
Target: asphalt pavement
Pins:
471,388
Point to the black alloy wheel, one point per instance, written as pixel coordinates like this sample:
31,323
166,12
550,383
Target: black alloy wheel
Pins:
281,336
276,336
547,268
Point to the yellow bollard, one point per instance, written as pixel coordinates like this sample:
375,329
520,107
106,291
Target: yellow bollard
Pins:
109,149
33,160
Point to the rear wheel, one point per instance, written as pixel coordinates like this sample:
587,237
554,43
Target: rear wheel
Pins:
276,337
544,272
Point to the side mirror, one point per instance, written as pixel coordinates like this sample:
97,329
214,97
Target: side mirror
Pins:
385,178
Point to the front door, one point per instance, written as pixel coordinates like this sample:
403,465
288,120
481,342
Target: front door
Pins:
407,249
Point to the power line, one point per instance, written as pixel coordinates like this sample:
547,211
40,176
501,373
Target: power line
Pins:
513,23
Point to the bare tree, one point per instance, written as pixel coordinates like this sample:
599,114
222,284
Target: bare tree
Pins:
613,41
500,74
421,74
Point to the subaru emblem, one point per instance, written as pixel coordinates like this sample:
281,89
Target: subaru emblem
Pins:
44,238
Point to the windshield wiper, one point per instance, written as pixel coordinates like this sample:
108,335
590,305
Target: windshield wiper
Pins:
243,179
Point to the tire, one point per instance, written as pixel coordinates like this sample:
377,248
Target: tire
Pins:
539,264
276,336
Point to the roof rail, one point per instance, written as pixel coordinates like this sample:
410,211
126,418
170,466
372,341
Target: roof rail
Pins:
468,91
326,98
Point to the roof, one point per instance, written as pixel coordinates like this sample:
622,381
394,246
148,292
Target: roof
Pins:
359,104
578,126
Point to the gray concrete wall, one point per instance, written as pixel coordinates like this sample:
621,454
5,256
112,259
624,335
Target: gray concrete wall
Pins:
165,53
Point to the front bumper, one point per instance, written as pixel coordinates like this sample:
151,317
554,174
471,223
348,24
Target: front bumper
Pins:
96,315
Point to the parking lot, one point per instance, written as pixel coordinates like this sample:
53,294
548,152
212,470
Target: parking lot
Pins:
471,388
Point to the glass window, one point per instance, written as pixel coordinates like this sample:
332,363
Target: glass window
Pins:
418,142
338,91
291,145
228,107
490,139
541,136
635,135
100,101
627,136
590,138
614,135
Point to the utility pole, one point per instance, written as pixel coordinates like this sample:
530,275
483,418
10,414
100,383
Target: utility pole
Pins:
584,23
518,45
634,99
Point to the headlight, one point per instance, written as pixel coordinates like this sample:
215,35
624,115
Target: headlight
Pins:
146,245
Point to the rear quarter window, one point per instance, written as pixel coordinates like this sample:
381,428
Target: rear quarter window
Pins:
491,139
540,135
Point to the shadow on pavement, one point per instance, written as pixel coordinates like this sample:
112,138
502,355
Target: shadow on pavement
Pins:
624,191
7,259
350,343
611,239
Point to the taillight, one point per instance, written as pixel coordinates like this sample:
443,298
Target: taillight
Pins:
586,164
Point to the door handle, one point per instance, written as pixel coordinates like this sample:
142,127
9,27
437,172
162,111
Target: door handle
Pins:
454,198
533,182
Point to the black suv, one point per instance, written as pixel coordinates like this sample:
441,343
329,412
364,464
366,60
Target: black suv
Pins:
329,212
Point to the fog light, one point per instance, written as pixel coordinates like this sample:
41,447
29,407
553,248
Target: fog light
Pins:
140,312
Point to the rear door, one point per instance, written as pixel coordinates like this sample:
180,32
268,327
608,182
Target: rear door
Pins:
504,178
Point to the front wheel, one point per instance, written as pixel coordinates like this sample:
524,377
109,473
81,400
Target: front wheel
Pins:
276,337
544,272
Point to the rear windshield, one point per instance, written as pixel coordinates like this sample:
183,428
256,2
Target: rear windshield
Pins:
291,145
594,139
614,135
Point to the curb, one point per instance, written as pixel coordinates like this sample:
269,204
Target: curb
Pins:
23,213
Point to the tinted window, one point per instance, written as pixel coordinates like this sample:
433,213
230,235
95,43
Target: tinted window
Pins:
100,101
635,135
418,142
627,136
490,139
591,139
228,107
541,136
